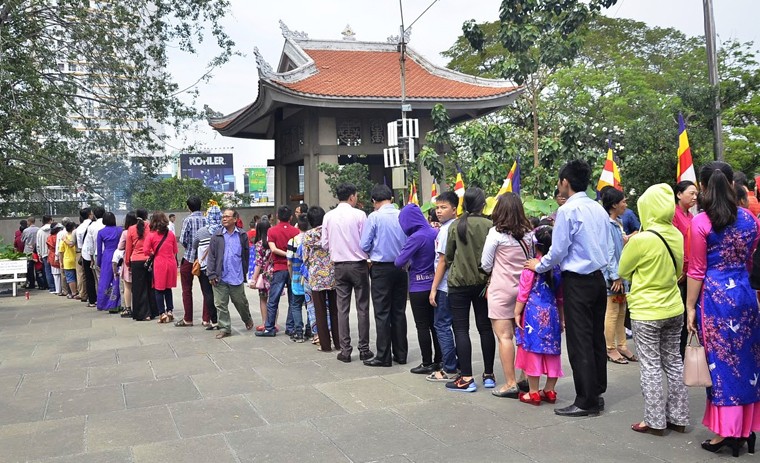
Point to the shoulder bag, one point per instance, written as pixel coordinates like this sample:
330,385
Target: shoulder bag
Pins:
149,263
197,264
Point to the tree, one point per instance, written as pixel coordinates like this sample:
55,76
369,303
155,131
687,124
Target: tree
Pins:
84,86
539,37
356,174
170,194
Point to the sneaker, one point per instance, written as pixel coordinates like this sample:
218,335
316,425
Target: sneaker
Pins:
298,338
462,385
440,377
489,381
266,334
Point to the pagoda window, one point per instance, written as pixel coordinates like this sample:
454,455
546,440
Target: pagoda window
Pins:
377,129
349,132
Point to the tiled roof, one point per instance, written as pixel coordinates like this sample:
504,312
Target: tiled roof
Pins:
376,74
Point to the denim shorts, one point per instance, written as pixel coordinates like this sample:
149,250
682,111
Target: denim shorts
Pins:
71,276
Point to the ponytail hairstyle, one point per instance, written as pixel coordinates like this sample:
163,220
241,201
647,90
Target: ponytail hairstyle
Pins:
142,216
542,238
474,202
719,200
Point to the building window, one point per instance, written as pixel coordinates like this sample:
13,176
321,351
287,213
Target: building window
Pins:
377,132
349,132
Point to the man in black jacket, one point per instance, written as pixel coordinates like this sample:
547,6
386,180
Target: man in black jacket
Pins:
227,266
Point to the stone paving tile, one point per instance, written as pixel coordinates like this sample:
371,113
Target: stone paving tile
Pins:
22,408
42,383
201,449
114,343
169,367
29,441
8,384
200,347
293,404
275,444
362,394
84,402
255,358
452,422
418,386
129,427
296,374
61,346
212,416
489,449
226,383
151,352
14,366
108,456
121,373
160,392
87,359
374,434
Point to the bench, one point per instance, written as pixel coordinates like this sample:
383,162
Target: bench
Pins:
13,272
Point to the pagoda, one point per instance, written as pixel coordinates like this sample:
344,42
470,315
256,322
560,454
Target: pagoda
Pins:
330,101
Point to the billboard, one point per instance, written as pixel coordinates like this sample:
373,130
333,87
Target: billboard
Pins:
215,170
257,179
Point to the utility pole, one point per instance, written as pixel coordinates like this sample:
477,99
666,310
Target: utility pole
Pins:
712,67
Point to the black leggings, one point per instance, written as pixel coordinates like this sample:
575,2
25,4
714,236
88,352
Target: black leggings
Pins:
423,321
164,296
460,299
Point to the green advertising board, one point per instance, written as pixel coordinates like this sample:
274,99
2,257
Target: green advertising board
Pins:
257,179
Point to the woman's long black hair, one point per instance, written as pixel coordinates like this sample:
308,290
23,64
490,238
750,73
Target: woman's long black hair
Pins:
719,200
142,216
474,202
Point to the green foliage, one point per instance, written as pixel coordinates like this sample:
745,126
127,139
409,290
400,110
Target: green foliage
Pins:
535,207
170,194
85,89
8,252
356,174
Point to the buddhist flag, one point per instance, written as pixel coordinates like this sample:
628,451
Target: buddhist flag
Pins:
433,192
685,167
610,174
459,190
512,182
413,194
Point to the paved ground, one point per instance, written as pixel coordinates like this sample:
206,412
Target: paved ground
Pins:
80,386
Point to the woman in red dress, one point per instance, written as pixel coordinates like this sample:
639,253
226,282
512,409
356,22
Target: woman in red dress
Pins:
162,246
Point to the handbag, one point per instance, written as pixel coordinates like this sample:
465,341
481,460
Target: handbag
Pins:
149,262
695,370
260,283
197,264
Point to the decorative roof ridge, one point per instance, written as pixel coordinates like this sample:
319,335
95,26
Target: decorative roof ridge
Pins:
456,75
305,65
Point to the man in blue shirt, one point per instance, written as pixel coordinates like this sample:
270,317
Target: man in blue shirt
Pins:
226,269
382,238
579,247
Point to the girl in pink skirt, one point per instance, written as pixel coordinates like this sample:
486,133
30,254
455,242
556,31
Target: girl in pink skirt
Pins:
540,322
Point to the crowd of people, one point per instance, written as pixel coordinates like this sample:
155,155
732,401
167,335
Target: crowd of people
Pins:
580,272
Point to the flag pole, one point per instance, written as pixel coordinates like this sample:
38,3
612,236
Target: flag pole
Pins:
712,67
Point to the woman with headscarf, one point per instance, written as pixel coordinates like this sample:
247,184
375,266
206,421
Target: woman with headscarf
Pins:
143,299
722,309
213,223
107,240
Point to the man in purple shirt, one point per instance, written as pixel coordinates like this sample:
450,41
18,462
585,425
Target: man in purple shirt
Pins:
383,238
341,231
226,269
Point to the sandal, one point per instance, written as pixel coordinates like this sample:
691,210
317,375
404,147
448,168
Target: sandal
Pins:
126,313
630,358
205,323
183,323
620,361
212,327
163,318
169,317
315,340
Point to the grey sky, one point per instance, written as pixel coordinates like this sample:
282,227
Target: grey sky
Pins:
255,23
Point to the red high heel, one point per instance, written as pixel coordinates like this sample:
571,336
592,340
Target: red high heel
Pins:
533,398
548,396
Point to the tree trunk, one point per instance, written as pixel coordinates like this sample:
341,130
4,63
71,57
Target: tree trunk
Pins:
534,108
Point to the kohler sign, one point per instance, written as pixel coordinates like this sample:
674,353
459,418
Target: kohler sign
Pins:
189,161
215,170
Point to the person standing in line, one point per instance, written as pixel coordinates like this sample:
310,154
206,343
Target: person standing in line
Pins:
18,243
653,261
59,255
162,246
341,234
262,267
723,311
686,198
172,219
278,237
382,239
508,244
126,273
295,264
85,219
446,211
252,229
52,256
580,242
188,236
467,286
227,265
29,238
89,252
321,271
41,245
68,248
109,297
614,202
143,298
213,223
418,254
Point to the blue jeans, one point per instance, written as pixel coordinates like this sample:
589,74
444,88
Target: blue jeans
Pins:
278,283
442,322
295,307
310,313
49,275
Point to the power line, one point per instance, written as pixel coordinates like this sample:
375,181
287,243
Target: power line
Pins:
418,17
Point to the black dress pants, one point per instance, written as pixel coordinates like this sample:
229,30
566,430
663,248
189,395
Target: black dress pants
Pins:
424,322
460,299
89,279
585,306
143,297
388,290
